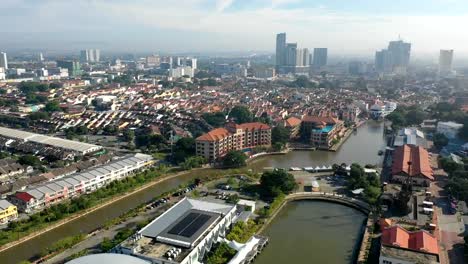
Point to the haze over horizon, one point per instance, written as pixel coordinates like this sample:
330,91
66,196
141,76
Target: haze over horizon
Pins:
347,27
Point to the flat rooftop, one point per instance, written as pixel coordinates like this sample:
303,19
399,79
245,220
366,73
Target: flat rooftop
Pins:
409,255
188,228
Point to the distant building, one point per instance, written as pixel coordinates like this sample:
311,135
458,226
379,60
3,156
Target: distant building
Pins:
2,73
402,246
236,70
357,68
381,109
411,164
449,129
8,212
280,50
394,59
293,125
218,142
268,73
74,67
445,62
90,55
321,131
320,58
410,136
3,60
153,60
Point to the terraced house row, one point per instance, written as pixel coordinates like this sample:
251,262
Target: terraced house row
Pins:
38,197
218,142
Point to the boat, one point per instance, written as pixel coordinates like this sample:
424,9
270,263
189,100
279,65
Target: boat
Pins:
381,152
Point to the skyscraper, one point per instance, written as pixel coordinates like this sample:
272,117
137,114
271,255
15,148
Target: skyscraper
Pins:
3,60
291,54
280,50
90,55
41,57
445,62
383,61
320,57
400,53
306,57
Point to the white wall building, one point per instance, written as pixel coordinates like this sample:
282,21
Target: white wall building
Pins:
3,60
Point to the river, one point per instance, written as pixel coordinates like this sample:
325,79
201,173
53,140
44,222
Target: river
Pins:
313,232
361,147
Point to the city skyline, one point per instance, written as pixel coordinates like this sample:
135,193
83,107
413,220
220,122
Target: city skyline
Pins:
224,25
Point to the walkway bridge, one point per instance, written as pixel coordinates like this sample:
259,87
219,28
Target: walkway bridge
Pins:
331,197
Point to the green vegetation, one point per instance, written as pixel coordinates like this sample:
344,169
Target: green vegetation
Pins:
243,231
368,181
407,116
193,162
29,160
217,119
267,211
234,159
274,183
107,244
54,213
150,142
73,132
39,116
458,178
33,87
440,140
183,149
303,82
241,114
220,254
279,137
52,106
63,244
208,82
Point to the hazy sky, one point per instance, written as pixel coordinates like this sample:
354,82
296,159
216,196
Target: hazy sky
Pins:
344,26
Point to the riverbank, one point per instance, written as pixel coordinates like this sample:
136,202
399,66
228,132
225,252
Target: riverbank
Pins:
85,212
361,247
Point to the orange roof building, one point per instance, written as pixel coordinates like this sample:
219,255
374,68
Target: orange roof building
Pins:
402,246
218,142
412,163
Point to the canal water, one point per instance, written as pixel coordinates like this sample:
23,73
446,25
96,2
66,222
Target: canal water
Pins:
361,147
313,232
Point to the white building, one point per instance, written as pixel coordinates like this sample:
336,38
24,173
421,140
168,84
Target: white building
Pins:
3,60
268,73
449,129
2,73
183,234
445,62
38,197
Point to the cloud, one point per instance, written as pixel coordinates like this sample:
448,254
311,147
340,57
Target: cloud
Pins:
155,23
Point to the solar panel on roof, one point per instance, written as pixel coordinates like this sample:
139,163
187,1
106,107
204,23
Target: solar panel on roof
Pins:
189,225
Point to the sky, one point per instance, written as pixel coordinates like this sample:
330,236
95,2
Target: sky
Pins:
343,26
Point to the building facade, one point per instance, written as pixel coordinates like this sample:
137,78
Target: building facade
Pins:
321,131
3,60
8,212
445,62
218,142
449,129
320,57
41,196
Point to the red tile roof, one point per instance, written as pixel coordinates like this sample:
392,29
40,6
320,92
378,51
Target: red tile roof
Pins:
419,158
292,122
420,240
253,126
321,119
214,135
23,196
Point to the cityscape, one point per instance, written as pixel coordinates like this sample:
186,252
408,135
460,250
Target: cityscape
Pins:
299,153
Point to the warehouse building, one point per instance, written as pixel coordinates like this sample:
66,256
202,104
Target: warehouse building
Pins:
26,137
43,195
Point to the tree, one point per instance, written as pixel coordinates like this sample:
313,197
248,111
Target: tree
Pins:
183,149
234,158
38,116
217,119
273,183
415,117
440,140
129,135
29,160
397,118
52,107
241,114
279,134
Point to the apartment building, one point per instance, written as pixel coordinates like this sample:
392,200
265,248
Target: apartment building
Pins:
8,212
321,131
218,142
